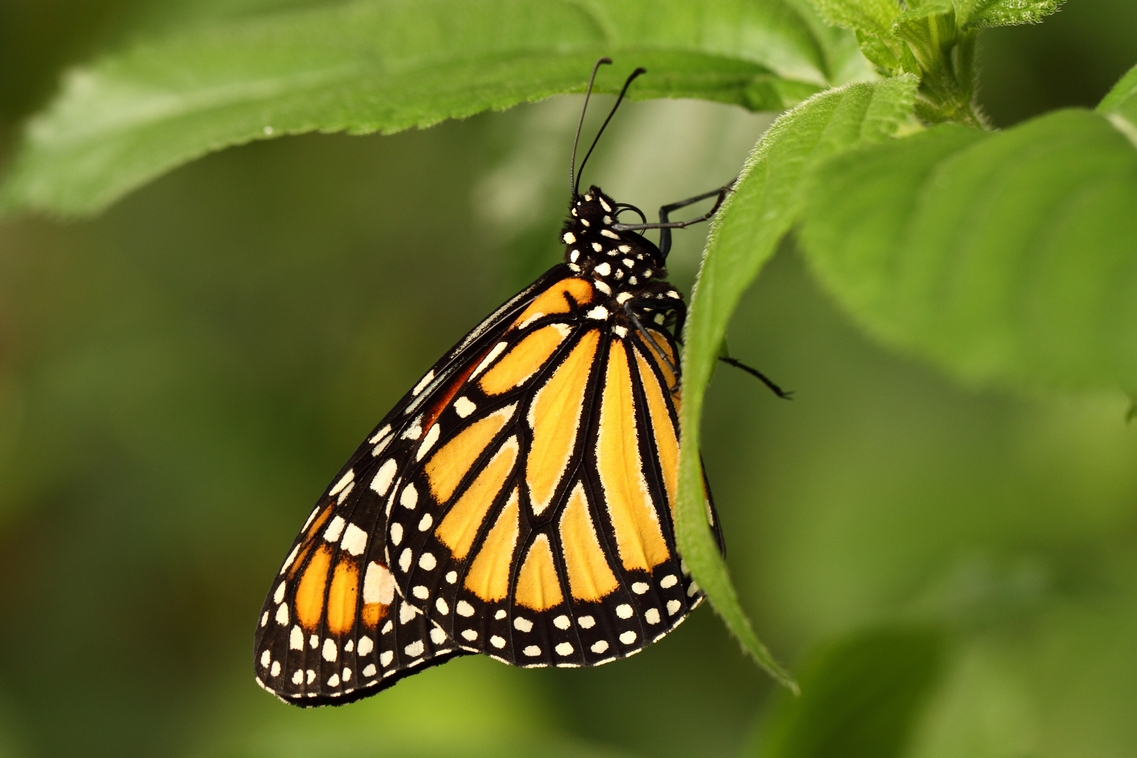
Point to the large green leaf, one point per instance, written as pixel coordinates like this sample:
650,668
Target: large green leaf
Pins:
765,204
387,65
862,697
1008,258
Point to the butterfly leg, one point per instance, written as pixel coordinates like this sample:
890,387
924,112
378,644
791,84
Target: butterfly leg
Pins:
666,225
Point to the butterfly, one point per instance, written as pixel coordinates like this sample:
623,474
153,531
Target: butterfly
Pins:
519,500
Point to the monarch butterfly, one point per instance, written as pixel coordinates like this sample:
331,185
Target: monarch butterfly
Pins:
518,500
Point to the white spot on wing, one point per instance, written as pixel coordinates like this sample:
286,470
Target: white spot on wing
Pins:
380,434
366,646
532,651
329,651
640,588
428,442
562,622
386,657
624,611
628,637
383,478
407,612
345,480
423,382
282,614
409,496
378,585
425,522
335,529
465,609
652,615
463,406
599,312
414,649
470,635
599,646
586,622
396,533
668,581
673,607
278,596
563,648
354,540
497,642
442,607
427,562
437,636
522,624
296,639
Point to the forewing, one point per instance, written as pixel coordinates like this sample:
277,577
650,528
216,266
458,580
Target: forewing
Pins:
334,627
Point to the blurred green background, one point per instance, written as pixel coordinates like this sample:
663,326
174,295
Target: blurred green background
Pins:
952,571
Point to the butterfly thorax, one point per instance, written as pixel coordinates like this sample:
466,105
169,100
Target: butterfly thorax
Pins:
618,262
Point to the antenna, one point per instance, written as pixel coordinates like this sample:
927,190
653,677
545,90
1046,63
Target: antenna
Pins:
587,94
603,126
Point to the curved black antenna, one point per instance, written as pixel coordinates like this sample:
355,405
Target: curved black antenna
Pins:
603,126
587,94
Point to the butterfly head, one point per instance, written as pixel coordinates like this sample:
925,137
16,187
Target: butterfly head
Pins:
623,260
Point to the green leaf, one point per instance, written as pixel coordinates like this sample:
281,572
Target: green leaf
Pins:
387,65
1008,258
862,697
765,204
990,13
1120,106
873,17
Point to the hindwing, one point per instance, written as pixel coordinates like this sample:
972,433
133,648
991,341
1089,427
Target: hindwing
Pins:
534,521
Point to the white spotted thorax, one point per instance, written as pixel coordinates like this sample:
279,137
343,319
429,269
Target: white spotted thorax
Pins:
622,264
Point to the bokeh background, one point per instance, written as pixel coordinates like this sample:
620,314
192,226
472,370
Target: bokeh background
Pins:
180,377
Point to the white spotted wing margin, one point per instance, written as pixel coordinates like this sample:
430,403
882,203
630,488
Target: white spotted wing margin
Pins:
578,572
334,629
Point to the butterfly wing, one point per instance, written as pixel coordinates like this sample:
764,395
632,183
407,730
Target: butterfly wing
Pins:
534,521
335,627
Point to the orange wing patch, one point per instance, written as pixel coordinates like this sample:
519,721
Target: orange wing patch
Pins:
446,468
310,592
538,586
554,417
459,528
590,577
639,538
489,573
553,300
343,596
524,360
